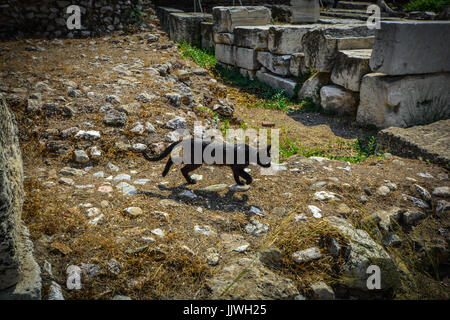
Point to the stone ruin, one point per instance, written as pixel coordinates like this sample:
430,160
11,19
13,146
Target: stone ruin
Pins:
398,75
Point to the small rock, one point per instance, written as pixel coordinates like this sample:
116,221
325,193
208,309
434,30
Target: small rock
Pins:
271,257
112,99
119,297
115,118
176,123
322,291
424,194
307,255
55,292
256,228
114,266
122,177
442,192
316,212
417,202
158,232
242,248
325,196
442,206
126,188
412,217
383,191
134,211
205,230
187,194
73,277
67,181
80,156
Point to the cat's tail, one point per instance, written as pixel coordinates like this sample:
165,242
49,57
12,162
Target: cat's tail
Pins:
164,154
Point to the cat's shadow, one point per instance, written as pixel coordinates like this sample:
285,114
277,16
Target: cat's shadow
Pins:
212,200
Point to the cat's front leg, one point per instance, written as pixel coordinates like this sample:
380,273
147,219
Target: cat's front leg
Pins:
236,177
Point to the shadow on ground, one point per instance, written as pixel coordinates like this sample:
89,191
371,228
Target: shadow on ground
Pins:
212,200
341,126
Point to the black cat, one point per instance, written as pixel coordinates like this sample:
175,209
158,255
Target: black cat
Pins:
236,156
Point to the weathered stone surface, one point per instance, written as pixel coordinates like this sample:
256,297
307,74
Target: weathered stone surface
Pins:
304,11
163,15
224,38
278,64
258,282
361,252
206,32
322,291
387,101
338,99
225,54
287,39
311,87
277,82
411,47
429,142
349,68
246,58
227,18
297,67
254,37
251,74
185,26
321,45
19,272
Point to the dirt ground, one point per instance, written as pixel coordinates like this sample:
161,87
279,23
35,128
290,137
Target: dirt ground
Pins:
175,266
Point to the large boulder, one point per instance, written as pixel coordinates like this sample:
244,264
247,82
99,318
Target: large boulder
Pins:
206,31
225,54
277,82
19,272
350,67
387,101
311,87
429,141
255,282
227,18
361,252
185,26
338,100
278,64
287,39
246,58
163,15
321,45
304,11
297,66
253,37
411,47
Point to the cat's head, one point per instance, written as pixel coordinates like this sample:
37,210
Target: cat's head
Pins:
264,158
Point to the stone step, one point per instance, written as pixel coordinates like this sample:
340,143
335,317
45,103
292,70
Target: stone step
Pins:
429,142
353,5
349,68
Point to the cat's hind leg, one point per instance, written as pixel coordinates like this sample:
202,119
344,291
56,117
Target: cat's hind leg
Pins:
248,178
188,168
236,175
167,168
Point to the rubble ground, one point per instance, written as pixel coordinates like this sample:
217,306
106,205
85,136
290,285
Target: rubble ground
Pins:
162,239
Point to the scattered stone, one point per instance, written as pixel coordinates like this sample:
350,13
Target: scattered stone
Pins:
95,152
158,232
442,192
112,167
90,270
424,194
67,181
105,189
80,156
212,258
120,297
176,123
114,266
133,211
383,191
326,195
412,217
96,220
115,118
256,228
112,99
92,212
322,291
73,277
259,281
141,181
316,212
417,202
271,257
55,292
187,194
126,188
215,188
242,248
307,255
442,206
122,177
205,230
160,215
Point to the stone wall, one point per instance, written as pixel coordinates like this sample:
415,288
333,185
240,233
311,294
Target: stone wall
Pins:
19,272
48,18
